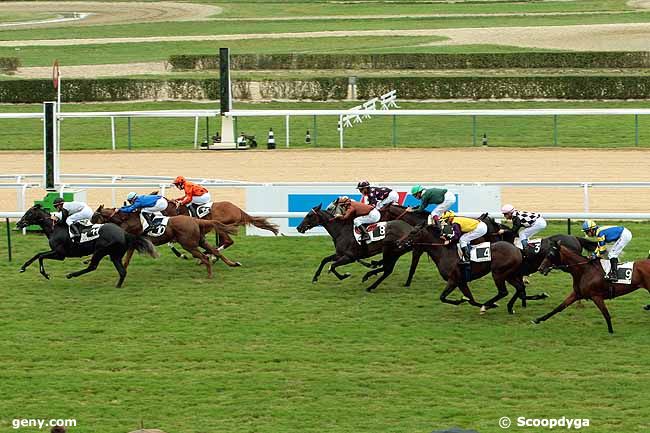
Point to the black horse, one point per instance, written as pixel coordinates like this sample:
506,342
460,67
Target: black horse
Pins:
347,248
112,241
504,266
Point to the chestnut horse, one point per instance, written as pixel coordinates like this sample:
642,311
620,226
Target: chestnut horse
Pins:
226,213
187,231
589,280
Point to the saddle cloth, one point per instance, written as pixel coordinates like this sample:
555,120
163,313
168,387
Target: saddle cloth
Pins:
204,209
377,232
159,226
89,232
623,271
534,244
478,253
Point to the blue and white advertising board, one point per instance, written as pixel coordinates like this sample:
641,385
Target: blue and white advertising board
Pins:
301,198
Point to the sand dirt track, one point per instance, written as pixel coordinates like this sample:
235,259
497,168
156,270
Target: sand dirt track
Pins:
443,165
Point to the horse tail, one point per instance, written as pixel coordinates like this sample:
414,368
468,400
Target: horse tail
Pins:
141,244
220,228
586,244
259,222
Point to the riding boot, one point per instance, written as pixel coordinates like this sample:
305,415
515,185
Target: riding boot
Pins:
466,257
75,232
365,236
148,217
192,209
613,271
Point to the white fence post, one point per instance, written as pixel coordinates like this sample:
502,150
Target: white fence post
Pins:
196,132
113,132
341,131
286,127
585,189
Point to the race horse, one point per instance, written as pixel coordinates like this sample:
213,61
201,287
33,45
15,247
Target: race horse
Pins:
504,266
347,248
187,231
111,241
226,213
589,280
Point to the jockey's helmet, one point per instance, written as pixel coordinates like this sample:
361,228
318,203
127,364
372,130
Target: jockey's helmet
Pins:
180,180
58,201
416,189
507,208
131,197
363,184
589,225
449,215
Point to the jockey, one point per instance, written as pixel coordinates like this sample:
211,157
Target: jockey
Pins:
605,235
194,194
362,214
376,196
469,227
442,198
531,222
77,211
150,206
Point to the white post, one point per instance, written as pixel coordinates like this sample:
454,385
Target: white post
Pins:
22,197
196,132
286,127
341,131
55,139
163,189
585,189
113,132
113,180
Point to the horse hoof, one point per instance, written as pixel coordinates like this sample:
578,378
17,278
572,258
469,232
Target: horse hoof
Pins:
369,290
346,275
545,295
534,322
483,310
47,276
238,264
511,311
314,281
67,276
21,270
647,307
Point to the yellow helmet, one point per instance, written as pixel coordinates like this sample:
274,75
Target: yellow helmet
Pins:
448,215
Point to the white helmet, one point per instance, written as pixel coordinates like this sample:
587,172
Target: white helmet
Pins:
507,208
131,196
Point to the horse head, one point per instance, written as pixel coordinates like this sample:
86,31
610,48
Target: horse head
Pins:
553,258
314,218
35,215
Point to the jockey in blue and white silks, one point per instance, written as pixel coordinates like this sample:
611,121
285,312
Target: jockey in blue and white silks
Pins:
150,206
618,235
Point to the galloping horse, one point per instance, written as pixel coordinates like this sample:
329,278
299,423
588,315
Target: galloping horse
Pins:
187,231
226,213
589,280
112,241
504,266
347,248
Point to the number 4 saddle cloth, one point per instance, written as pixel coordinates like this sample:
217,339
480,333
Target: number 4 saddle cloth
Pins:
623,271
478,253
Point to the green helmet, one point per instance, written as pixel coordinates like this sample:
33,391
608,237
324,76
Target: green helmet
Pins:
416,189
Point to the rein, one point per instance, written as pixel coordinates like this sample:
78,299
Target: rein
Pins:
402,214
571,265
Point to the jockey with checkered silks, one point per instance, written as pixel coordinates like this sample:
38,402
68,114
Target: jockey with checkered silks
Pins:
526,224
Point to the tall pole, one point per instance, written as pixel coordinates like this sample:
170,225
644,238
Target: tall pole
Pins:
225,99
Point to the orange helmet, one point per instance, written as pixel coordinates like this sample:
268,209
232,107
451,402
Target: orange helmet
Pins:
179,180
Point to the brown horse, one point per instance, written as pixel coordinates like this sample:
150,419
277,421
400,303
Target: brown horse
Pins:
589,281
226,213
187,231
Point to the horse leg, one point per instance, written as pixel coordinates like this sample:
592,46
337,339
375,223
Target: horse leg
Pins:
389,265
340,262
502,293
175,251
127,260
520,292
371,273
322,265
94,262
415,259
568,301
204,244
40,256
467,294
204,260
225,241
600,303
117,262
450,288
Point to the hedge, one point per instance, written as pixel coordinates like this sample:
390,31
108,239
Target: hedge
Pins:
531,60
9,64
114,89
546,87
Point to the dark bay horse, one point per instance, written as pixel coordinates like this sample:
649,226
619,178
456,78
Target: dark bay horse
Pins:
112,241
504,266
589,280
347,248
187,231
226,213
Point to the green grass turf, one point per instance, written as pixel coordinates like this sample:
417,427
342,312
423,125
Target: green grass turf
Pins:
260,348
310,25
12,17
413,131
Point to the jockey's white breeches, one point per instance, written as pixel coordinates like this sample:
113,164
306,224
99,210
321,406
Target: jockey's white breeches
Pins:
617,248
201,199
157,208
84,214
528,232
468,237
450,199
393,197
373,217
